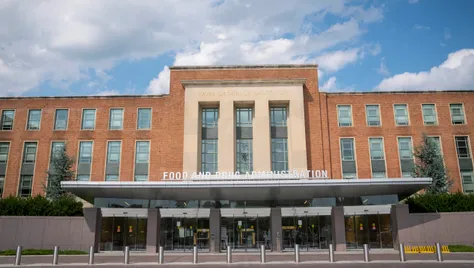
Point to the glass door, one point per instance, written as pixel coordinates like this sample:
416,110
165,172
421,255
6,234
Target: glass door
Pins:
182,234
374,230
118,232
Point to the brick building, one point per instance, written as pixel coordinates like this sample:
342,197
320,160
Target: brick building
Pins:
238,156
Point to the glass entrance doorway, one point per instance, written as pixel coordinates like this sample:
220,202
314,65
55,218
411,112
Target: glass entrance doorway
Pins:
374,230
118,232
310,232
182,234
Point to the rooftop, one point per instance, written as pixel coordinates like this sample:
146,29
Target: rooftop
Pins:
227,67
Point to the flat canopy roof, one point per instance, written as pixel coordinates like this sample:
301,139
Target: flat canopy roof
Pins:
281,189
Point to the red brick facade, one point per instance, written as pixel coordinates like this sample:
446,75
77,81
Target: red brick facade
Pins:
166,134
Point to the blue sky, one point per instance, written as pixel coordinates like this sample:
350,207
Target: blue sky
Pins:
108,47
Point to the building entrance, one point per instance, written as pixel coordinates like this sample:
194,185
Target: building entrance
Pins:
182,229
118,232
245,229
374,230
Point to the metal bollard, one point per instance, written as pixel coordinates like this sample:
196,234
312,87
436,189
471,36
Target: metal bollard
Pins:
331,253
195,254
401,249
55,255
366,253
126,258
161,255
229,254
91,255
262,254
18,255
297,253
439,254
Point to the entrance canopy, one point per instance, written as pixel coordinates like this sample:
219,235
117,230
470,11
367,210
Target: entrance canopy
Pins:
240,190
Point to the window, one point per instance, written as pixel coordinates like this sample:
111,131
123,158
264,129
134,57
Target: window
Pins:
347,149
404,147
29,155
34,119
209,151
348,158
429,114
278,116
144,118
344,113
278,123
88,119
401,114
142,156
4,149
85,152
7,119
2,183
462,147
244,141
457,114
467,181
60,119
113,152
210,117
373,115
437,141
56,149
279,154
379,175
116,119
25,185
376,149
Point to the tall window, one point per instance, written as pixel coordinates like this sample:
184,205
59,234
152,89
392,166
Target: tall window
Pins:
56,148
113,161
244,140
373,115
457,114
209,150
85,161
88,119
144,118
405,152
34,119
465,163
27,169
60,119
348,158
7,120
142,158
429,114
462,147
467,181
4,150
279,135
116,119
401,114
437,141
377,157
344,113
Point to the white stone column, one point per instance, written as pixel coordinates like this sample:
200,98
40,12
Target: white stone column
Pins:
261,137
226,136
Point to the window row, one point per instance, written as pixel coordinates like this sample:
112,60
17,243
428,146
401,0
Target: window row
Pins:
88,119
84,162
406,158
400,111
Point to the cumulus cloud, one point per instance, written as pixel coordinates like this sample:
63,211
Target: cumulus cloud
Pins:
108,92
161,84
331,86
453,74
61,42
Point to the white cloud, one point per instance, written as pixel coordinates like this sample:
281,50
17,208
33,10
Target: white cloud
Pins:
447,33
413,1
108,92
331,86
161,84
335,61
453,74
421,27
63,42
383,70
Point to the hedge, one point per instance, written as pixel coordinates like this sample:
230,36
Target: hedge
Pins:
40,206
426,203
11,252
460,248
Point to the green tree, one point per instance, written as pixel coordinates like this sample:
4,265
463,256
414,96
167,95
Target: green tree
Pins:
429,164
60,170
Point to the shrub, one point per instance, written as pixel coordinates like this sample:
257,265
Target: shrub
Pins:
12,252
426,203
40,206
460,248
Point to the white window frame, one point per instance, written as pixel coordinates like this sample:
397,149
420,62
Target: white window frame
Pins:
407,114
435,114
350,115
379,115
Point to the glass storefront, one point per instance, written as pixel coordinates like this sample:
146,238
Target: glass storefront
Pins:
118,232
374,230
310,232
245,233
182,234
